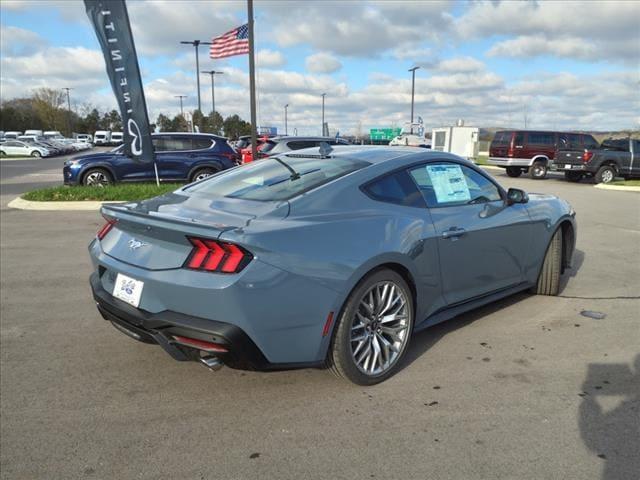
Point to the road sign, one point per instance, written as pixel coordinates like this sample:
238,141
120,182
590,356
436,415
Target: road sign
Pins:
384,133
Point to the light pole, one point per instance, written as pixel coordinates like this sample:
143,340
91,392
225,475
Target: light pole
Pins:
68,109
286,131
413,91
213,73
181,109
323,95
196,44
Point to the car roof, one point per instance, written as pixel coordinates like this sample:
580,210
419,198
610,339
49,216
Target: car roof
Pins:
190,134
377,154
282,138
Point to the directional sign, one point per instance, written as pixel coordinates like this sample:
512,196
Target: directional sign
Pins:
384,133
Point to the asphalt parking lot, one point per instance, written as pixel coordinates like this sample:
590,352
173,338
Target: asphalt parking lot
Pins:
525,388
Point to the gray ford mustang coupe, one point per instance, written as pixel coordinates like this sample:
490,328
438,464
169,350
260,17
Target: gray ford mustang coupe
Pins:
323,258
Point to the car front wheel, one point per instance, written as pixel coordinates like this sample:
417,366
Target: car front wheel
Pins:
97,177
538,170
373,330
36,154
549,278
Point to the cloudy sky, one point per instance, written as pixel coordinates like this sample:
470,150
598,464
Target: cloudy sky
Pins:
568,65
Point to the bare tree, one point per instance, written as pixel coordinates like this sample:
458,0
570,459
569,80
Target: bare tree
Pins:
47,103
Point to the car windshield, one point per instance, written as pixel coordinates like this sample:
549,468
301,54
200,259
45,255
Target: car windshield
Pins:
278,178
267,146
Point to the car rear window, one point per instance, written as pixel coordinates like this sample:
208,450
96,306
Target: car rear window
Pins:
395,188
277,178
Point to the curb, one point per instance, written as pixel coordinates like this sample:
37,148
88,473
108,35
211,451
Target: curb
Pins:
22,204
620,188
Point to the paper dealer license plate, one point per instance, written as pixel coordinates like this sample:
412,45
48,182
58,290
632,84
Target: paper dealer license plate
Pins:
128,289
567,166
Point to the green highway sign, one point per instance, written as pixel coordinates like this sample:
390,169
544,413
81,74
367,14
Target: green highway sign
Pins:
384,133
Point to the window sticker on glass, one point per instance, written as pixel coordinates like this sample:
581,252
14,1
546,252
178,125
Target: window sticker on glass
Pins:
448,183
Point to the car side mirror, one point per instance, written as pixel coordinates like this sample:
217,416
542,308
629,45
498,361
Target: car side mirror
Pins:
515,195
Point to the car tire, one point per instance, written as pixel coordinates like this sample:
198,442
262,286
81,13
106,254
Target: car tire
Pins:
97,177
202,173
3,153
538,170
573,176
385,340
549,278
605,174
514,172
36,154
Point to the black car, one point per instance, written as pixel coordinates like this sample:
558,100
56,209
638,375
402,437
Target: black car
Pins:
185,157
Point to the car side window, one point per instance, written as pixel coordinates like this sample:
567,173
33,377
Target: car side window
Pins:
299,145
202,143
395,188
445,184
519,139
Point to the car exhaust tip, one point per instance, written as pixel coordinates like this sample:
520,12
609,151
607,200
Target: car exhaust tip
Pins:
212,363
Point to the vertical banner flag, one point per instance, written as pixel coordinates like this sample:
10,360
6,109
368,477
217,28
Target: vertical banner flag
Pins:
111,23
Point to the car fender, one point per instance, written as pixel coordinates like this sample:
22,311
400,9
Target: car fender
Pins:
537,158
218,165
89,166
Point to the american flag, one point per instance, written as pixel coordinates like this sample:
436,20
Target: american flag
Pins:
234,42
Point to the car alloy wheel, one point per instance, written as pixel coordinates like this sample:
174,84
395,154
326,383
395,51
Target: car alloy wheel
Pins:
538,171
96,179
380,328
607,175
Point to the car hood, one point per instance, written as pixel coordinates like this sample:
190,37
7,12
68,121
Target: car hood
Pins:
93,156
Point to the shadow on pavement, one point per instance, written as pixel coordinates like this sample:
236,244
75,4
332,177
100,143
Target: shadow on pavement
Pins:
613,435
424,340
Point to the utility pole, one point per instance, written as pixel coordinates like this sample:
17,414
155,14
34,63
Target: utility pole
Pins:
286,131
252,80
181,109
68,109
323,95
196,44
213,73
413,91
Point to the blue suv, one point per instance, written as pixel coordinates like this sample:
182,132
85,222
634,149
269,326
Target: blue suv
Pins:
184,157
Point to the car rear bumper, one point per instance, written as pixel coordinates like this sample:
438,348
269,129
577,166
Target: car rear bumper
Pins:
166,328
569,167
510,162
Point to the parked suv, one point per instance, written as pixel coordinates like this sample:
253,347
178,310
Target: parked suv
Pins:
179,156
614,158
532,151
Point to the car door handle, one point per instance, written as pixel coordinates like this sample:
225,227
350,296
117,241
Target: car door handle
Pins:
453,233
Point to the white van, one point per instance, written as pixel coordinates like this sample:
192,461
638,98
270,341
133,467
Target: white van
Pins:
37,133
12,135
102,137
53,134
116,138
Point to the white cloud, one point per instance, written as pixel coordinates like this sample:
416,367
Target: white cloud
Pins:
16,41
322,62
460,65
269,58
597,31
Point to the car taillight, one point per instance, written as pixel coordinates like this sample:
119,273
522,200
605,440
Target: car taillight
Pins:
106,228
214,256
586,156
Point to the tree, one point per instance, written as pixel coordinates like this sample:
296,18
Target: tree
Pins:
164,123
179,124
47,103
234,127
112,121
90,123
216,123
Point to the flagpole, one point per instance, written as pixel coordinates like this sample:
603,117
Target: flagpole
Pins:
252,81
